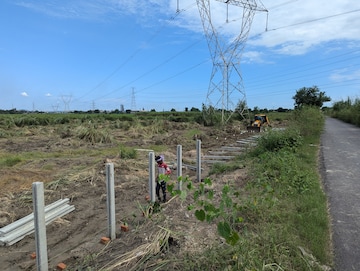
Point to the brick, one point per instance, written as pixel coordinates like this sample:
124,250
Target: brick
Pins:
124,228
105,240
61,266
33,255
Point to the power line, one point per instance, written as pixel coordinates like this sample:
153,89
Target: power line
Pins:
137,51
315,20
296,71
154,68
184,71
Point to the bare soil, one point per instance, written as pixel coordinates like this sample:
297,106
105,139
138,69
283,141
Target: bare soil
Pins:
74,169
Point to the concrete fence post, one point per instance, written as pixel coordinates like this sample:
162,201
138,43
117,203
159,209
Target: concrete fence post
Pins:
152,176
40,226
198,160
110,200
179,165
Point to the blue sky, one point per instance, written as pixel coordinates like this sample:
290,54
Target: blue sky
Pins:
100,54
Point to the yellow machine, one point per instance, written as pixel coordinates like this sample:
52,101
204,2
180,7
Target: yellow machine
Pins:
259,121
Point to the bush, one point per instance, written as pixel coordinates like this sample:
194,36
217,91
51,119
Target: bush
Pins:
348,111
308,120
276,140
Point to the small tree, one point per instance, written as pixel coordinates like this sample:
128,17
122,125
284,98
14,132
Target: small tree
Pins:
311,96
194,109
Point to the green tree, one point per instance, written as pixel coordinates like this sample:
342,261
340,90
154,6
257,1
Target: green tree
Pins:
310,96
194,109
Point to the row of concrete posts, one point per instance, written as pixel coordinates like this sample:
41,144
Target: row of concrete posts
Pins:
39,202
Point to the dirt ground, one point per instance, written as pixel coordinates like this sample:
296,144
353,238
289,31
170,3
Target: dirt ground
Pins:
78,175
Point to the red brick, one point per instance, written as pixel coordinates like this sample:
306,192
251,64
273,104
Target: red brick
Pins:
61,266
105,240
124,228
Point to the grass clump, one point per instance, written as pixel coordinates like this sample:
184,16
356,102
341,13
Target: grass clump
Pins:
93,134
10,161
218,168
127,152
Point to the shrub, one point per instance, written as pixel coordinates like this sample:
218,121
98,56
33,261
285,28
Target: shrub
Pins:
276,140
309,121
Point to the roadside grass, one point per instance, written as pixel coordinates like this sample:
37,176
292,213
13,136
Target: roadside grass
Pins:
346,110
280,220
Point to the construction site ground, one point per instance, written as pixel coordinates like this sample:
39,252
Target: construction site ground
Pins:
69,168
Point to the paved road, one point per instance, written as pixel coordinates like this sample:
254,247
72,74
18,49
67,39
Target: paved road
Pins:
340,146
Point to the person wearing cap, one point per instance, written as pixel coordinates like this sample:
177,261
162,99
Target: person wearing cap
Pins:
164,169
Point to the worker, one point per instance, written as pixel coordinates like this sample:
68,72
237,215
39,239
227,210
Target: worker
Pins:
163,169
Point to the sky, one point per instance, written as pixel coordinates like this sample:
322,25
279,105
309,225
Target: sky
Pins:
65,55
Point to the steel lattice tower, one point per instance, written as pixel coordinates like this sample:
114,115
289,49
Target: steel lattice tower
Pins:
226,90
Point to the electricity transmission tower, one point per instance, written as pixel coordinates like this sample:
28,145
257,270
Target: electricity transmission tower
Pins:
66,100
55,107
226,90
133,102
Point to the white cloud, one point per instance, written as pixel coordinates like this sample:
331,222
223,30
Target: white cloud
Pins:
345,75
97,9
24,94
298,26
252,56
48,95
294,27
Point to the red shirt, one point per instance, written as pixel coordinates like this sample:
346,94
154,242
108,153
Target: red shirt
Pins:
163,168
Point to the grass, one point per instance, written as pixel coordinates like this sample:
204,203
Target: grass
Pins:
219,168
127,152
10,161
281,218
347,110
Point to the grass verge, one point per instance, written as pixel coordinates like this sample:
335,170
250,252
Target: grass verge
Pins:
280,221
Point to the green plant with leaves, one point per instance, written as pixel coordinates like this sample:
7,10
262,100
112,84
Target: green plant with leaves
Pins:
149,209
276,140
207,209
